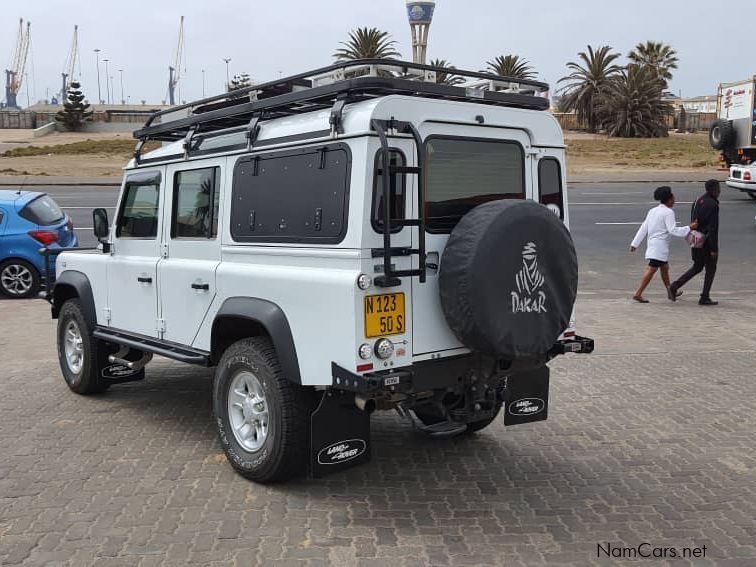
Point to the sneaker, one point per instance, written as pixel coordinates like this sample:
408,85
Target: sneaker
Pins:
707,301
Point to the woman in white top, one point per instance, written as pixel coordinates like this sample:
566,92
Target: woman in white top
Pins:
659,227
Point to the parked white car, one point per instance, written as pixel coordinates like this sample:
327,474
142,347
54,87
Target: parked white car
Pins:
743,178
352,239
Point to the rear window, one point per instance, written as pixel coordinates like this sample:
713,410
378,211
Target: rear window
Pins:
43,211
464,173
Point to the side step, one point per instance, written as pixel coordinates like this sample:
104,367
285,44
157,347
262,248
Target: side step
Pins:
153,345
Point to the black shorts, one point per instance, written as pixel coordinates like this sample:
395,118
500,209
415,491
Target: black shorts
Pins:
657,263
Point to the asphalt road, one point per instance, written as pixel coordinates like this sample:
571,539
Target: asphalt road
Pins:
603,218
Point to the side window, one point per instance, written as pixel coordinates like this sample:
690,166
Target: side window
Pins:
139,212
550,185
397,199
2,216
296,196
195,203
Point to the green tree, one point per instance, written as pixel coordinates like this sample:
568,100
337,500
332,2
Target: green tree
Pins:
446,78
511,66
75,111
367,43
657,55
632,106
586,83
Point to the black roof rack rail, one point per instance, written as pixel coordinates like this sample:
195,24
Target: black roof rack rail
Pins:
346,82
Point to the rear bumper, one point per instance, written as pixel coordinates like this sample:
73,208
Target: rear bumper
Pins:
746,186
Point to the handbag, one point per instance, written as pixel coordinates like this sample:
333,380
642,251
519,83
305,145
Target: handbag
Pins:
695,238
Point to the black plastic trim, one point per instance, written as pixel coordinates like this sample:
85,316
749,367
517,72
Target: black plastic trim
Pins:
149,344
272,318
80,284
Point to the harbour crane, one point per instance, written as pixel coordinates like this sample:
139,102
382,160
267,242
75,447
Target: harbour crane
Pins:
14,77
174,72
70,66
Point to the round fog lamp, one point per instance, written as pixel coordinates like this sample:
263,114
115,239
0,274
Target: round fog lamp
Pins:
384,348
365,351
364,281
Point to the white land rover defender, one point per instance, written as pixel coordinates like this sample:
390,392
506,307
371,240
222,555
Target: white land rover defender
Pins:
353,239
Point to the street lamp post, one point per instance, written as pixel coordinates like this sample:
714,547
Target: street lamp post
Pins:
107,80
228,77
99,92
123,100
203,83
420,14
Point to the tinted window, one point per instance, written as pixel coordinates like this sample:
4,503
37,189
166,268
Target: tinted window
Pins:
195,203
465,173
295,196
42,210
398,184
550,184
139,212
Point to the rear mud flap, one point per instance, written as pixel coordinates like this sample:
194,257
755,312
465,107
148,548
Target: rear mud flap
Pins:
526,397
340,434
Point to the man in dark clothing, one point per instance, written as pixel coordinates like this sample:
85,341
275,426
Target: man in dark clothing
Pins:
706,210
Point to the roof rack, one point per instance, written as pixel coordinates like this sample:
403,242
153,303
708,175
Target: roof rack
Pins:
333,87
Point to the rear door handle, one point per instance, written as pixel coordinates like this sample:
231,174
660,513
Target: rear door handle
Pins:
144,279
201,286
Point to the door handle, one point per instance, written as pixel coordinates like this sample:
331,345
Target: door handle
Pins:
201,286
144,279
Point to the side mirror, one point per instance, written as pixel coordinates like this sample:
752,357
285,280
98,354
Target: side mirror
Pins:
101,227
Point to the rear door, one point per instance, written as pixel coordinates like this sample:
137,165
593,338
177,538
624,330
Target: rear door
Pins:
465,167
191,247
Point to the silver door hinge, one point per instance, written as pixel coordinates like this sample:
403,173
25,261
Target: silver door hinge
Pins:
164,250
161,327
107,315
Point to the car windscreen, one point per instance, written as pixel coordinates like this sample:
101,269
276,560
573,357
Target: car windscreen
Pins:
42,211
464,173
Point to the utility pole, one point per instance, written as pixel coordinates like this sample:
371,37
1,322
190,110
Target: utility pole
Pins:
420,14
123,100
107,81
99,92
203,83
228,77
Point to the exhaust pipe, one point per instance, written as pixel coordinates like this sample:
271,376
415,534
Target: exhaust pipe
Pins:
367,406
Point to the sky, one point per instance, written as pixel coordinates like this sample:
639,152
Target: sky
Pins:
266,39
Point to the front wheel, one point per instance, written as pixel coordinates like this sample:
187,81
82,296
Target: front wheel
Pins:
19,279
80,355
263,419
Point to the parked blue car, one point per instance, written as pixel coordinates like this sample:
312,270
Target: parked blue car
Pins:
29,221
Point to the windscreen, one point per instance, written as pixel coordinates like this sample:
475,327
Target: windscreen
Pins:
464,173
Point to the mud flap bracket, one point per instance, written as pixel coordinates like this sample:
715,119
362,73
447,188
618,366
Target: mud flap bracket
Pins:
340,434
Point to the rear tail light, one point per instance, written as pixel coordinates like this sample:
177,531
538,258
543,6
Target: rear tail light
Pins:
747,175
44,237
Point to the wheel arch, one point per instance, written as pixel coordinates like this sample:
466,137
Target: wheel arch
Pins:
74,284
243,317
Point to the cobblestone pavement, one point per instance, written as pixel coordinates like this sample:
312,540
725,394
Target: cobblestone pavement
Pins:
653,446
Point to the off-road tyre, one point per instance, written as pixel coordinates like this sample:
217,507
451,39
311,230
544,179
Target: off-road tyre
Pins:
721,134
86,380
284,453
30,273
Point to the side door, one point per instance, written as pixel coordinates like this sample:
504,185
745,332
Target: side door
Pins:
465,167
191,247
132,266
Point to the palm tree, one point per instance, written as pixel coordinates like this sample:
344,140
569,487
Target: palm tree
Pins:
511,66
660,57
367,43
632,106
587,82
446,78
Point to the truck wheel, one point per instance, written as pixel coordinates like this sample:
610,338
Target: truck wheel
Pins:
81,356
721,134
263,419
19,279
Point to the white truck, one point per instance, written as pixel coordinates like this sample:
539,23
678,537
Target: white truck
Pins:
351,239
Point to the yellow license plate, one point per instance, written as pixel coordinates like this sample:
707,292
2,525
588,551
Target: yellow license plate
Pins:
384,315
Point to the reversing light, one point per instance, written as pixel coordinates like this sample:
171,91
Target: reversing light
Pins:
365,351
364,281
384,348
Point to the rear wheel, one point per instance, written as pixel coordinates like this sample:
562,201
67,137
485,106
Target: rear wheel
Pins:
81,356
263,419
19,279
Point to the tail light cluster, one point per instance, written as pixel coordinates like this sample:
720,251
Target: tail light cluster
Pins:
44,237
746,176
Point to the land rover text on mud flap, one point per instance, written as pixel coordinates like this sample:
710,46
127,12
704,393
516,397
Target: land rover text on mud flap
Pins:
352,239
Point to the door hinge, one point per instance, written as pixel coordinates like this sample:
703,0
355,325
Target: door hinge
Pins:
107,315
161,327
164,250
